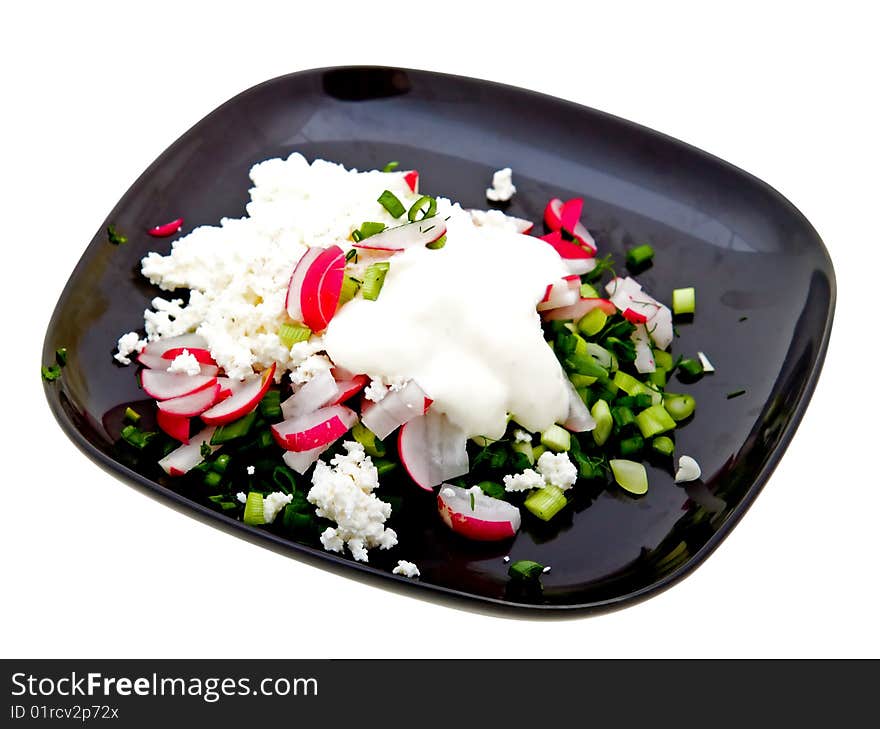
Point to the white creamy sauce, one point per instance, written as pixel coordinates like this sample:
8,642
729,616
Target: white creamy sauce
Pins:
461,321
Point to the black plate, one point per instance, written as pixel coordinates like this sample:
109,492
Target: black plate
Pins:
748,251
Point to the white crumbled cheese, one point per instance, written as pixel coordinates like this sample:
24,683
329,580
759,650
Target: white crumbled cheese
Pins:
273,503
704,360
528,479
342,491
521,436
185,363
557,469
251,470
502,186
407,569
128,344
507,559
242,497
688,470
545,570
310,367
375,391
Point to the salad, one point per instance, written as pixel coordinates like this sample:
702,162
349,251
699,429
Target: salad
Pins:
350,330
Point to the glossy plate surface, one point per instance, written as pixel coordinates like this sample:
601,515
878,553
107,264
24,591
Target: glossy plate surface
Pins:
747,250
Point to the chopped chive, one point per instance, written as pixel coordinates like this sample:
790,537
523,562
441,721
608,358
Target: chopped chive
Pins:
383,465
356,236
114,236
350,287
212,479
50,372
253,509
525,569
290,334
61,356
136,437
691,368
437,244
473,501
131,416
632,446
221,463
419,207
735,393
743,318
369,228
654,420
374,278
639,256
684,301
351,256
663,445
546,502
391,203
391,166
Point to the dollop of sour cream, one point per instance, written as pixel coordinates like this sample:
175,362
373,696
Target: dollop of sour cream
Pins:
461,321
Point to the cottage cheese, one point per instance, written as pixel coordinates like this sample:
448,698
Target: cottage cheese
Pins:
502,186
342,491
242,497
375,391
185,363
128,344
521,436
525,481
407,569
273,503
552,468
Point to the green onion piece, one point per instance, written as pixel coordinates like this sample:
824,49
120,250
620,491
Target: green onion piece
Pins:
743,318
356,236
294,520
212,479
654,420
350,286
491,488
369,228
538,450
684,301
657,377
114,236
602,415
51,372
735,393
131,416
524,448
691,368
632,446
642,401
136,437
391,166
205,450
662,359
631,386
61,356
290,334
639,256
265,439
374,278
622,416
383,465
235,429
556,439
391,203
547,502
679,407
631,476
579,380
221,463
367,438
228,505
525,569
663,445
586,365
351,255
270,405
253,509
436,244
588,292
419,207
592,322
284,479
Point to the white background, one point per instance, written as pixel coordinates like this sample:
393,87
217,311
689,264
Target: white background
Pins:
93,93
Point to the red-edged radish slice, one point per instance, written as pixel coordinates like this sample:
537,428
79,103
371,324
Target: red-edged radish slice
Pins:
412,179
313,430
579,309
322,285
292,300
408,235
553,214
488,520
203,356
432,450
228,387
177,426
564,292
644,362
300,461
348,388
393,410
166,385
579,419
315,393
163,231
157,362
633,316
187,457
660,327
193,404
571,214
522,225
242,401
158,347
626,293
566,249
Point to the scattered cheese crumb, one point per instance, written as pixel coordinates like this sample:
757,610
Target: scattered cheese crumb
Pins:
545,570
521,436
251,470
375,391
528,479
185,363
128,344
242,497
688,470
557,469
502,186
407,569
310,366
704,360
507,559
273,503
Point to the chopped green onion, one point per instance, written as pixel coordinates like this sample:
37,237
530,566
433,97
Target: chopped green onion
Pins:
602,415
473,501
654,420
131,416
205,450
592,322
61,356
631,476
743,318
114,236
294,520
391,166
491,488
350,286
586,365
622,416
679,407
235,429
639,256
663,445
136,437
657,377
546,502
691,368
556,439
351,256
367,438
374,278
212,479
662,359
284,479
265,439
579,380
383,465
290,334
735,393
391,203
589,292
538,450
436,244
369,228
221,463
631,386
253,509
684,301
419,207
51,372
632,446
356,236
525,569
270,405
524,448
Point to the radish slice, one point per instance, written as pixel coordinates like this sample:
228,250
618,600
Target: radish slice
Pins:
577,259
187,457
228,387
203,356
177,426
626,293
193,404
644,355
571,214
158,362
419,233
553,219
579,419
564,292
318,391
635,317
322,285
158,347
432,450
313,430
292,301
241,402
412,179
489,519
165,385
348,388
579,309
301,461
396,408
163,231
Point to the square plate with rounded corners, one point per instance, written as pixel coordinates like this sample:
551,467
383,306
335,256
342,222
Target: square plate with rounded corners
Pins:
765,288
